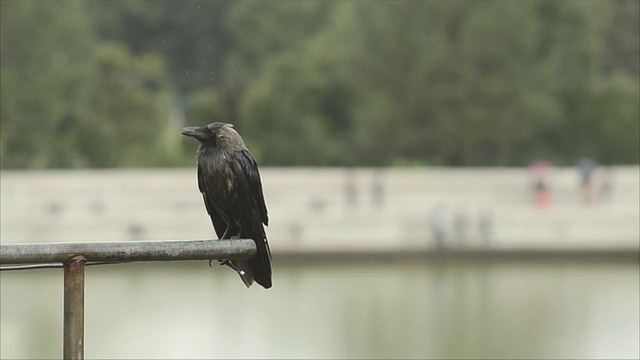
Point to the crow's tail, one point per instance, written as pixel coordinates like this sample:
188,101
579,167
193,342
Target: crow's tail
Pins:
259,267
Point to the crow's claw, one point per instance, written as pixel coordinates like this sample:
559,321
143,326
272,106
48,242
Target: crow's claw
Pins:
231,265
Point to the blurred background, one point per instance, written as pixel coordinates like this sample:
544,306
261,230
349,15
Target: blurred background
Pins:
390,136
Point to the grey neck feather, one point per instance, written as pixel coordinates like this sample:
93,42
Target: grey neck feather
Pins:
228,142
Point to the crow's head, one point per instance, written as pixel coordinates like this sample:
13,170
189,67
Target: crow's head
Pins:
211,134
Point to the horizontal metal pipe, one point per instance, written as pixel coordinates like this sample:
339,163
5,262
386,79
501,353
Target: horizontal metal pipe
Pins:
126,251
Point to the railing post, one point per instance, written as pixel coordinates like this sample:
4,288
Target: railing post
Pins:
74,308
75,256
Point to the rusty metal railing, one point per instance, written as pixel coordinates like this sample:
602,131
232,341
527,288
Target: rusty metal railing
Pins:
73,257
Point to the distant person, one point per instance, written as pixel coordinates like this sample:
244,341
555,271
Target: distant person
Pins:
606,171
542,194
377,188
606,185
439,222
540,172
586,168
485,227
350,191
460,225
296,232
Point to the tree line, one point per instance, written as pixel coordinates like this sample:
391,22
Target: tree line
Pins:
314,83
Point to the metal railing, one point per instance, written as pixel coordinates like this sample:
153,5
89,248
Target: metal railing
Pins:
73,257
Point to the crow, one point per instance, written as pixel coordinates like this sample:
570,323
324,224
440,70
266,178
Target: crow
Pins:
229,181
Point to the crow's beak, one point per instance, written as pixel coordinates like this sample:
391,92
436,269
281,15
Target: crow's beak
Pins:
194,132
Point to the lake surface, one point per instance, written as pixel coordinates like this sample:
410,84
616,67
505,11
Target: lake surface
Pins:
348,309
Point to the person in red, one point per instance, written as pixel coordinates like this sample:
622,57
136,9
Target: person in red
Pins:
540,170
586,168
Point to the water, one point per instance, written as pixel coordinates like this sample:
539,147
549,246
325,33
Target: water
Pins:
394,309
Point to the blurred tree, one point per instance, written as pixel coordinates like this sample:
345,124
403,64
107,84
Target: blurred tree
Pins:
614,111
294,116
621,38
206,106
567,54
44,81
320,83
477,89
190,35
126,115
261,30
430,81
453,83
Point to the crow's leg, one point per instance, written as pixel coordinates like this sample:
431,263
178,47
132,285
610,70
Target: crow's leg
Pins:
231,265
226,261
224,236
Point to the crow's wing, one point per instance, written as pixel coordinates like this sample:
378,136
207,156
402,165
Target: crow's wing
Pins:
254,214
247,174
218,221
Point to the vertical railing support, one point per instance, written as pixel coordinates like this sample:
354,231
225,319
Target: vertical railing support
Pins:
75,256
73,347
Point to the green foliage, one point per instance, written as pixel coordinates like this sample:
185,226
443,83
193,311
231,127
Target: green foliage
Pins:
43,82
125,116
104,83
206,106
620,38
294,117
191,36
614,113
265,29
446,87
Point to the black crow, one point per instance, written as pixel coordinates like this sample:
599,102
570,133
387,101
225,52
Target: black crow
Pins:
229,181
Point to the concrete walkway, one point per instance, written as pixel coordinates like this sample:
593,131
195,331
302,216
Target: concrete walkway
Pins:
333,209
